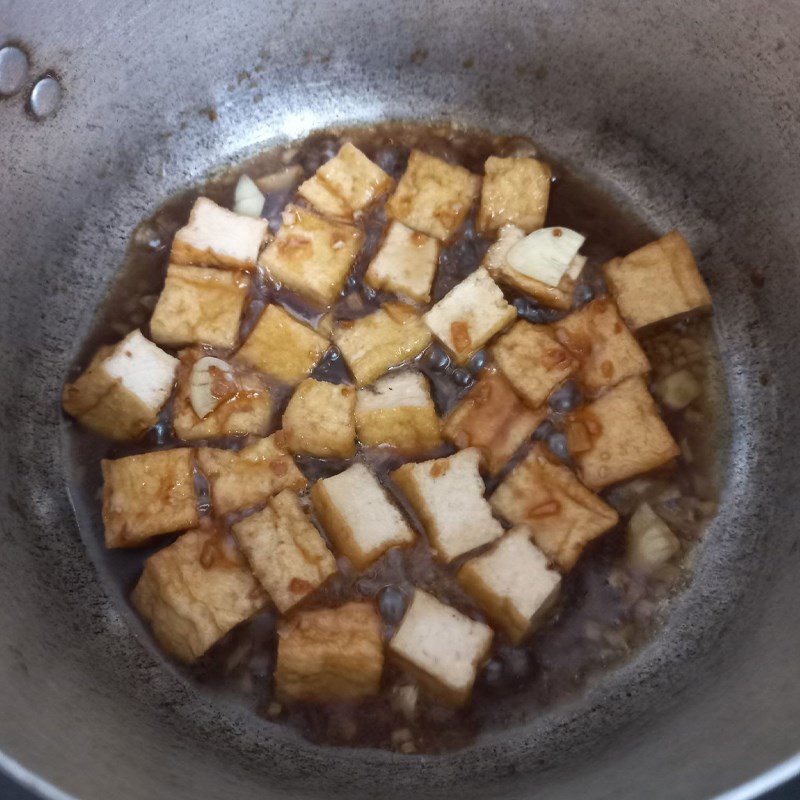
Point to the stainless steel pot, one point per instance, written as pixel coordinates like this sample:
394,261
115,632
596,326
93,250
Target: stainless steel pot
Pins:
687,111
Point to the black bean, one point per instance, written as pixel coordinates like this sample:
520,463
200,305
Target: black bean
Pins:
438,360
477,362
391,604
493,674
582,295
557,442
544,430
566,398
461,377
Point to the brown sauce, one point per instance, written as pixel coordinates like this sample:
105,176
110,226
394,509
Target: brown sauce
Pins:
606,611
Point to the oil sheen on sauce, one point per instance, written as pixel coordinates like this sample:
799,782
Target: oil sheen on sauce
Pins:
605,612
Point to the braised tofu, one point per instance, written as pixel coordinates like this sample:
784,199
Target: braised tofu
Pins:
398,411
148,495
605,349
199,306
122,391
496,262
216,237
250,476
346,184
657,282
512,583
330,654
619,435
534,361
470,314
282,346
433,197
285,551
244,409
405,263
563,515
358,516
319,420
386,338
447,494
312,255
195,591
515,191
494,420
441,647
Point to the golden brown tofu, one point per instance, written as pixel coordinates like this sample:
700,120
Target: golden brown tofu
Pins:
469,315
619,435
216,237
285,551
533,361
388,337
405,263
515,191
249,477
433,196
496,263
282,346
493,419
398,411
346,184
246,410
563,515
605,349
319,420
330,654
657,282
312,255
357,514
195,591
199,306
512,583
148,495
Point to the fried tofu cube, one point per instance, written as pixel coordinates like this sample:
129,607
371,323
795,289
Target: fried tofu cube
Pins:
330,654
606,351
496,263
619,435
358,516
247,411
282,346
346,184
512,583
195,591
433,196
398,411
386,338
441,647
657,282
515,191
494,420
533,361
447,494
199,306
122,391
312,255
285,551
563,515
405,263
319,420
470,314
148,495
250,476
216,237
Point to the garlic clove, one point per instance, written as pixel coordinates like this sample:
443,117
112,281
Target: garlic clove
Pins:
678,390
546,254
651,543
279,181
210,383
247,199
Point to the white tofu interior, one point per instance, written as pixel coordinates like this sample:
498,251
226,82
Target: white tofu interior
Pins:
399,390
143,368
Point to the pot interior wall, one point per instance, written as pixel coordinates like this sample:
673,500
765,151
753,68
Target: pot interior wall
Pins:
691,121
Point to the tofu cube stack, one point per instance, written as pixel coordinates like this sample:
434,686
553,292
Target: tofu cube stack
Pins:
272,539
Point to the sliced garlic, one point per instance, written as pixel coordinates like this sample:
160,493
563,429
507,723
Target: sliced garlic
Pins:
651,543
204,385
247,199
278,181
546,254
678,390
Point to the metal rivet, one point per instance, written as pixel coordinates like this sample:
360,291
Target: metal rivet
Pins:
45,97
13,69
